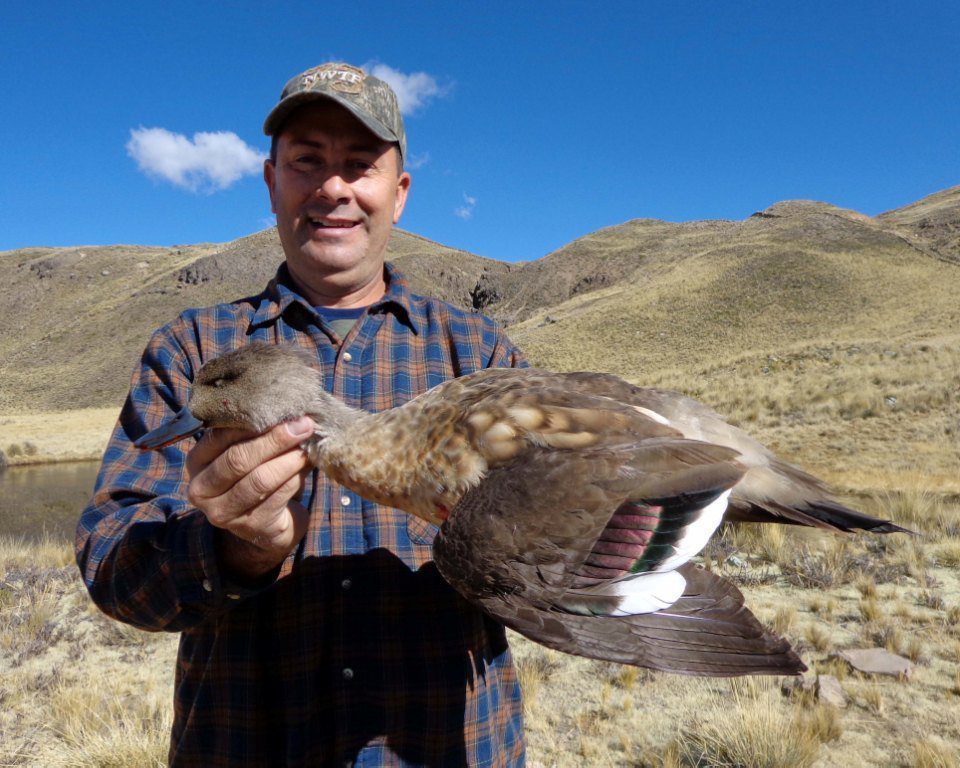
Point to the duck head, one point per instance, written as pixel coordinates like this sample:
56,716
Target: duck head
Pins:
252,388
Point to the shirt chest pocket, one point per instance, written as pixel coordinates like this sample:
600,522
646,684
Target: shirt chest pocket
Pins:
421,535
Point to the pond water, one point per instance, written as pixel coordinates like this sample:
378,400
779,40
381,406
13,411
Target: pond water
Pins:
45,499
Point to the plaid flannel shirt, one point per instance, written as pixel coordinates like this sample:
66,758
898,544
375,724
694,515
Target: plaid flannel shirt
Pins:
359,653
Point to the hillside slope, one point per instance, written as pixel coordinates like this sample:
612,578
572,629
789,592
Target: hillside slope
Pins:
83,315
932,223
831,334
820,330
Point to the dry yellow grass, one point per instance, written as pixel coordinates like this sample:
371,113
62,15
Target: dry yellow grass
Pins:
933,752
77,689
27,438
751,727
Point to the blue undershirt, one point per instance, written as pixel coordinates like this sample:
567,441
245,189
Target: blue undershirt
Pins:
340,320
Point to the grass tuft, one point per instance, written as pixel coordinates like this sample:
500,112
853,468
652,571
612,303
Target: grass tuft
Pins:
744,730
931,752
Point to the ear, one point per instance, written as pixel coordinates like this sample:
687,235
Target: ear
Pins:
403,187
270,179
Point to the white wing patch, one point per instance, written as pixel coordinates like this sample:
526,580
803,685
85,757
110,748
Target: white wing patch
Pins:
648,592
653,590
697,534
653,415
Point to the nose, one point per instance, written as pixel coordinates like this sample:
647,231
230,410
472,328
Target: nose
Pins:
333,188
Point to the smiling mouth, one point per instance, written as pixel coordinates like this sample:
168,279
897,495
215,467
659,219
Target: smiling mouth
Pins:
332,223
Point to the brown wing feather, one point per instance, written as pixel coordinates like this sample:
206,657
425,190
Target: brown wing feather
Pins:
708,632
517,544
772,490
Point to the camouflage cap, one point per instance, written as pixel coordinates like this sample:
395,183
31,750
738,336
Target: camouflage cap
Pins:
368,98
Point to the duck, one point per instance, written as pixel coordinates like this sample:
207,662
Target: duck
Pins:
569,506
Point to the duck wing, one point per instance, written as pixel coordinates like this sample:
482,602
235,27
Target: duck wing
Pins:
771,491
587,552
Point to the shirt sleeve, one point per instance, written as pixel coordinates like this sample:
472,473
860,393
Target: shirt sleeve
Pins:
146,556
505,353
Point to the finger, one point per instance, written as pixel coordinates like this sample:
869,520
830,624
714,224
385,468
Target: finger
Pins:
304,474
211,444
251,490
240,458
278,523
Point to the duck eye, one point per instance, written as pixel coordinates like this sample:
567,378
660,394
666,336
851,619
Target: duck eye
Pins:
225,379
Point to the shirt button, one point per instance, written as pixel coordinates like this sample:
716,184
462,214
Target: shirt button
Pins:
347,673
207,586
347,357
345,500
346,583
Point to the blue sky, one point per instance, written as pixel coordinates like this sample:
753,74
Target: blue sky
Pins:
538,122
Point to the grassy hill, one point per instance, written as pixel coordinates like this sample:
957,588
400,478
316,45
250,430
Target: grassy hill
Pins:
824,331
81,316
831,334
930,224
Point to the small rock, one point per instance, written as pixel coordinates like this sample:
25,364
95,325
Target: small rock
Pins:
829,691
735,561
802,683
877,661
104,272
143,264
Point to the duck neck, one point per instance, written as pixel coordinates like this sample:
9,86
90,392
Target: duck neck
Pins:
335,419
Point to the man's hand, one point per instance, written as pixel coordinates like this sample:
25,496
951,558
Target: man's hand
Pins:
245,485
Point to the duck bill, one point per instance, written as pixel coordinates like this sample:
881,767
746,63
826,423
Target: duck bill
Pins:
180,426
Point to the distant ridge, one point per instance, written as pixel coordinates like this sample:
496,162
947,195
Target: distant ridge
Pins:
932,223
659,293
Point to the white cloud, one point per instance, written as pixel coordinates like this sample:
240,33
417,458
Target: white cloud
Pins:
465,211
413,90
209,162
417,161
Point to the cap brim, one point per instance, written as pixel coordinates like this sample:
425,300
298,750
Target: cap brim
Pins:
282,111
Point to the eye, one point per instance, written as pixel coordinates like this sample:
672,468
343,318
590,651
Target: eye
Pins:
225,379
305,162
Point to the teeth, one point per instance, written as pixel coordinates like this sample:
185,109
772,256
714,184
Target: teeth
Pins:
320,223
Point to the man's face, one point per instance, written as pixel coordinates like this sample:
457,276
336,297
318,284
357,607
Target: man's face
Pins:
337,192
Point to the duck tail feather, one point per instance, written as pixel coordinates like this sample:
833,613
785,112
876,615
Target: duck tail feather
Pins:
779,492
823,513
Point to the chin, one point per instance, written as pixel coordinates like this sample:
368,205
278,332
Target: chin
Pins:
329,260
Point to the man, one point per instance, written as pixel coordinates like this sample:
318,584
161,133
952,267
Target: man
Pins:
314,628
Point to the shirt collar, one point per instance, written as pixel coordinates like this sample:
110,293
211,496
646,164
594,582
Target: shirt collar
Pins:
281,292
